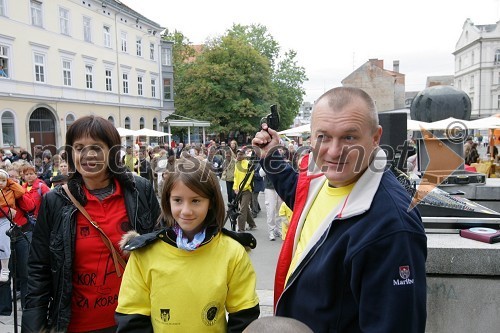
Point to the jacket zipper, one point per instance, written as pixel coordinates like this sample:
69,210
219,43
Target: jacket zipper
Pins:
308,258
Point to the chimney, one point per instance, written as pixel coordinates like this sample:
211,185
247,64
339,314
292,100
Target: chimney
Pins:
377,62
395,66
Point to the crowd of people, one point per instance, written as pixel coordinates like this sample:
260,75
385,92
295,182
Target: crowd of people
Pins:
136,241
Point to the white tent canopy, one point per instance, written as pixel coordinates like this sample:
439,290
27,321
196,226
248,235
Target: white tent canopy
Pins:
297,131
142,132
125,131
485,123
150,132
414,125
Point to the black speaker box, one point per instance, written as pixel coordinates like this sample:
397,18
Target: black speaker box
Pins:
394,137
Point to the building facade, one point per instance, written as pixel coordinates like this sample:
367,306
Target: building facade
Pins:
64,59
477,67
386,87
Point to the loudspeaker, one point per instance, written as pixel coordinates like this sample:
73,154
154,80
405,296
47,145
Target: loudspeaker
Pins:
394,137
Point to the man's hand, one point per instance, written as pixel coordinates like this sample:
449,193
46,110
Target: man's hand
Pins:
265,140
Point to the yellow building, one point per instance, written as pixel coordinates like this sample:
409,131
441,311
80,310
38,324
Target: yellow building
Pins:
63,59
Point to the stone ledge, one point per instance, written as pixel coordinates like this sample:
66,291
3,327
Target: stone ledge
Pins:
452,254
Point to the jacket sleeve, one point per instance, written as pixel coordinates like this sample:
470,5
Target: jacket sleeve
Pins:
389,276
154,206
283,177
238,321
39,293
133,323
26,203
17,189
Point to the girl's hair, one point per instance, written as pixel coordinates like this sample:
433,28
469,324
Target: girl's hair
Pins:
96,128
56,158
3,174
198,176
27,166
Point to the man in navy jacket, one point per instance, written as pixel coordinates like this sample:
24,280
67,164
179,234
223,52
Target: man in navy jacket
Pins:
354,256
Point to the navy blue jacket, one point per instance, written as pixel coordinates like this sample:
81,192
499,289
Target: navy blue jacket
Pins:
364,269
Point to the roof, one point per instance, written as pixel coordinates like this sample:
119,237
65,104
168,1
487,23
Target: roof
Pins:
120,6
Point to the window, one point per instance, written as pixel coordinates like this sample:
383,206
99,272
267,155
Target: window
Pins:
87,36
153,88
152,51
471,82
167,89
498,102
155,124
124,41
107,36
497,57
138,45
39,67
139,85
70,119
125,83
64,21
2,7
89,76
4,61
8,129
67,72
36,13
166,57
472,58
141,123
108,74
111,120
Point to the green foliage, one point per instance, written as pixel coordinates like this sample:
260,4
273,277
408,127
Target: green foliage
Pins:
234,79
228,85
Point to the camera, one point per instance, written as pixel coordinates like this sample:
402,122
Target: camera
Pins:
273,119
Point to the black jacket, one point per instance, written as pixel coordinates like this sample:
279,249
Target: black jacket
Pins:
48,301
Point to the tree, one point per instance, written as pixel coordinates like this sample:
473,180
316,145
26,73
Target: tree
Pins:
287,80
287,75
228,84
233,79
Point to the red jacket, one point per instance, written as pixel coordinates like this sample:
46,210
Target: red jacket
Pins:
38,189
23,204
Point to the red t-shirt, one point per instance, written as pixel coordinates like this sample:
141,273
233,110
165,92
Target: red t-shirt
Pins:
95,283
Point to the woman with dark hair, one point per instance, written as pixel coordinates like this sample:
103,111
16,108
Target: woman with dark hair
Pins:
74,265
24,155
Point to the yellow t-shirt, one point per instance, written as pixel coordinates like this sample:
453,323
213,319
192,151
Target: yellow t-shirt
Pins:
327,199
287,212
186,291
240,171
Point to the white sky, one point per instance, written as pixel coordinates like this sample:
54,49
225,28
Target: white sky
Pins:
332,38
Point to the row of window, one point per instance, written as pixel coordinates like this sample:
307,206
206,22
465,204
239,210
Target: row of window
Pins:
64,27
496,59
67,75
9,130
